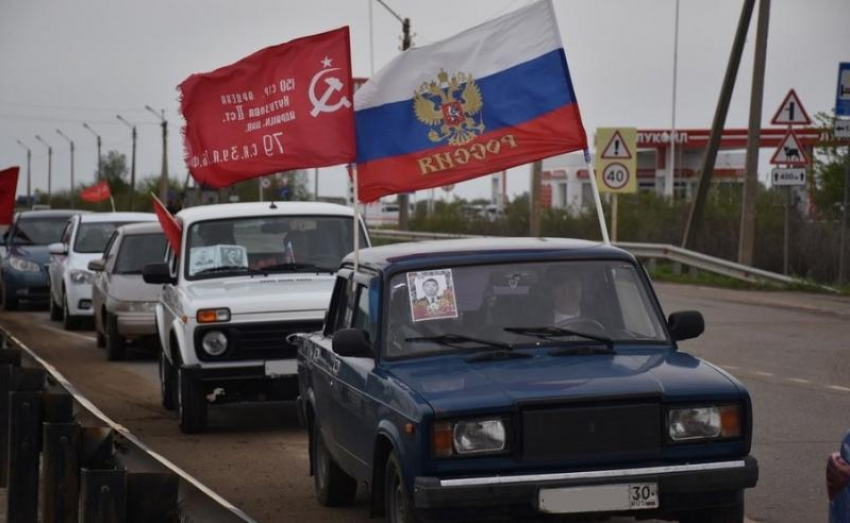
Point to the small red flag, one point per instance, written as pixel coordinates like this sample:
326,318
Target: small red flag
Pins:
8,190
96,193
285,107
170,227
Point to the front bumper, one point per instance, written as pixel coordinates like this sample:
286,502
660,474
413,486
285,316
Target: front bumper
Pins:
136,324
269,381
29,286
681,488
79,299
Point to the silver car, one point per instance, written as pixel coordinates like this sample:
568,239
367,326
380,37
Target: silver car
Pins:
123,303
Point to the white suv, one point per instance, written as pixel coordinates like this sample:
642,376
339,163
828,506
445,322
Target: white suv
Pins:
249,275
83,240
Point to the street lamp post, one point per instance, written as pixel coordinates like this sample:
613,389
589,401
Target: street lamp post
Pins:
132,162
99,159
29,179
163,179
49,167
71,142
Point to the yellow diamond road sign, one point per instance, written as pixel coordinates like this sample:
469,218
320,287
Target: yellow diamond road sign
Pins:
616,159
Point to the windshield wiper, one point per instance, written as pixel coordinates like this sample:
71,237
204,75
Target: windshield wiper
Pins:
295,266
548,333
582,351
232,268
453,340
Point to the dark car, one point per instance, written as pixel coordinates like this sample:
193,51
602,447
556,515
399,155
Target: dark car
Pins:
472,379
23,271
838,483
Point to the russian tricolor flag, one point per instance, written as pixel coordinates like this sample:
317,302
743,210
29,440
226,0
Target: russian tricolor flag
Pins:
490,98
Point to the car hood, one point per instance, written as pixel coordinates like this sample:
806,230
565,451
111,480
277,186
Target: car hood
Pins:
275,293
131,288
34,253
451,385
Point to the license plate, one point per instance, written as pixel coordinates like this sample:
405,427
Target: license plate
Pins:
281,367
600,498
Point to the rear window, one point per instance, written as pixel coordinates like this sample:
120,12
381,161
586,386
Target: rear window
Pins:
136,251
92,237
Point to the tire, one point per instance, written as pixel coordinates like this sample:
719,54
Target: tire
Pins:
166,382
733,514
191,403
100,339
116,345
9,303
55,310
68,322
397,503
334,488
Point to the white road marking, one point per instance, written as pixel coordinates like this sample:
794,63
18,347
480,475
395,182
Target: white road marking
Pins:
798,380
729,367
69,333
762,373
838,387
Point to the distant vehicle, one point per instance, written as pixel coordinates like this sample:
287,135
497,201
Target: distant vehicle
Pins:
83,240
838,483
249,274
518,378
123,303
23,271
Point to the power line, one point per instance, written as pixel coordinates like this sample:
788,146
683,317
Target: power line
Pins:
30,118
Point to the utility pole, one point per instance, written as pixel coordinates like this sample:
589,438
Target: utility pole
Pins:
163,177
695,216
842,253
71,143
29,178
133,162
670,179
534,195
49,167
99,158
751,179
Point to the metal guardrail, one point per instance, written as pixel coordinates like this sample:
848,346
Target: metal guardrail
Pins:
651,251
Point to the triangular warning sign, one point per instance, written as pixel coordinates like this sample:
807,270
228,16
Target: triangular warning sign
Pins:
790,152
791,111
616,148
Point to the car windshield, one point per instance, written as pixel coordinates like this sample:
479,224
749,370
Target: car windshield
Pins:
39,231
551,302
260,245
92,237
138,250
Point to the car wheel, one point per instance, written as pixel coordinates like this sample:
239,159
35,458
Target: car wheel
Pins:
68,321
100,339
166,381
191,403
334,488
732,514
397,503
116,345
9,303
55,310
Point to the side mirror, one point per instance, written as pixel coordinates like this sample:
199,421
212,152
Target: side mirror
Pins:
57,249
352,343
158,274
96,265
685,325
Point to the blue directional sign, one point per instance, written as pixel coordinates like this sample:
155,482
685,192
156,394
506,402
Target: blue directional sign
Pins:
842,94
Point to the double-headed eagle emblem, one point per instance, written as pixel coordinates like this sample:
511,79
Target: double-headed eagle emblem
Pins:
437,105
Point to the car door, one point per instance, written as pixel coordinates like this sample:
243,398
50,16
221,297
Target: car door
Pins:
100,287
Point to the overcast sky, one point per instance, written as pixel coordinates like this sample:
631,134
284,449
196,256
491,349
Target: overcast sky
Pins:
64,63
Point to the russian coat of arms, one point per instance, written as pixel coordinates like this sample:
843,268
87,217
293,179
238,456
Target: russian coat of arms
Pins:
450,107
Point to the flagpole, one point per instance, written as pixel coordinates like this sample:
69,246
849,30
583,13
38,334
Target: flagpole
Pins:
112,201
596,198
356,218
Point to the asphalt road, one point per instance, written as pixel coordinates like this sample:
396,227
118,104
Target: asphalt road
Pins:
790,349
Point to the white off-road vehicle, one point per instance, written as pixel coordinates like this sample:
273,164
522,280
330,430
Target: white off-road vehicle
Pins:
248,275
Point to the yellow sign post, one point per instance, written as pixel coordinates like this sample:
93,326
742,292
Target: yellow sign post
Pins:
616,165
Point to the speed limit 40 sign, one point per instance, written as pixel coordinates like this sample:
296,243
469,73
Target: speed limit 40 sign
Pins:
616,159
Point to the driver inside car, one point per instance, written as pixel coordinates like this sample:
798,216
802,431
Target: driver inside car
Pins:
566,293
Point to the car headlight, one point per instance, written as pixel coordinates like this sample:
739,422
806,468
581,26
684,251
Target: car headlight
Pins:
468,437
700,423
214,343
79,277
20,264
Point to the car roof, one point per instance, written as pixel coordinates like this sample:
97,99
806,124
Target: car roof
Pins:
238,210
141,228
51,213
404,256
99,217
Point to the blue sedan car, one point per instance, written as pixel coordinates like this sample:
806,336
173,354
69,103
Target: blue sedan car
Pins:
473,379
23,270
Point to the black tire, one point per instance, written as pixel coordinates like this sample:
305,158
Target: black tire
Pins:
397,503
334,488
116,345
732,514
9,303
166,382
55,310
68,322
191,403
100,339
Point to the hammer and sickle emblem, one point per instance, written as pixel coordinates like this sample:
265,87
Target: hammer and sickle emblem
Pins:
320,104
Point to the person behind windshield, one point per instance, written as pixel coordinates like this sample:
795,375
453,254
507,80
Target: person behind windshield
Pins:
566,293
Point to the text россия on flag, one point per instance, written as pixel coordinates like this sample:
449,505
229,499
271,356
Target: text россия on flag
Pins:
284,107
490,98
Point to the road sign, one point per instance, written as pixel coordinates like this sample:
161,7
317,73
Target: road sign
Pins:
790,152
791,111
842,129
789,176
616,159
265,183
842,94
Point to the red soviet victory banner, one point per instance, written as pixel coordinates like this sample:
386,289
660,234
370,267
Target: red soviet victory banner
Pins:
96,193
8,190
169,225
284,107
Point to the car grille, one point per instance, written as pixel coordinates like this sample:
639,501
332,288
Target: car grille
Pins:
256,341
590,432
